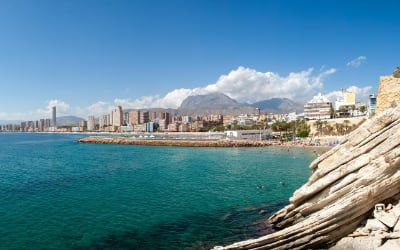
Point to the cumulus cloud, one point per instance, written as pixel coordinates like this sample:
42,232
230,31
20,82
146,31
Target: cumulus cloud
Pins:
249,85
242,84
62,108
356,62
362,94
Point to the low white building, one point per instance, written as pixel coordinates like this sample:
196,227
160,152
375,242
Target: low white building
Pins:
248,134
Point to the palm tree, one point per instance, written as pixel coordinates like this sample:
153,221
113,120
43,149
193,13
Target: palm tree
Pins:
362,109
353,107
346,125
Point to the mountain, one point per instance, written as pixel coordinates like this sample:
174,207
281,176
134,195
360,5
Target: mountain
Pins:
279,105
221,102
68,121
210,101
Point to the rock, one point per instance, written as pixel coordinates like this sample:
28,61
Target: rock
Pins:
389,91
396,73
376,225
396,227
387,218
346,184
358,243
390,245
396,210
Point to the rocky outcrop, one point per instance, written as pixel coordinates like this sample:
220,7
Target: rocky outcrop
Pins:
348,181
389,91
380,231
396,72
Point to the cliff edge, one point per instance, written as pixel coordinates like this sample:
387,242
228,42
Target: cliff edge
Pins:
347,182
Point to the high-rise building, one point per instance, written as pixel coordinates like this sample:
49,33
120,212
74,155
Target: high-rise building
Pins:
371,104
165,116
90,123
144,117
53,118
41,125
153,116
134,117
126,118
117,117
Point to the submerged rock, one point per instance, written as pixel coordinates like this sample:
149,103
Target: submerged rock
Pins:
348,180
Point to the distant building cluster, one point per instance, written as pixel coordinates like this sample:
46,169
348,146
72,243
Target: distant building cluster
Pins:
42,125
345,106
120,120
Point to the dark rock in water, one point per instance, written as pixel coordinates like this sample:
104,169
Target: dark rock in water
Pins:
261,228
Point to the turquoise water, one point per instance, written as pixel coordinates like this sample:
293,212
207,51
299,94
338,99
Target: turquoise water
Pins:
58,194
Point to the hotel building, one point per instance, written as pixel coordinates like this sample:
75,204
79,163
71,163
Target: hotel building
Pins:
319,108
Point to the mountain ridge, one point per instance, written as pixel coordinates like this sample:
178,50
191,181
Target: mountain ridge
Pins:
219,101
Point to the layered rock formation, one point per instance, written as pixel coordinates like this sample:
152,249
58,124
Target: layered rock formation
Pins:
389,91
348,181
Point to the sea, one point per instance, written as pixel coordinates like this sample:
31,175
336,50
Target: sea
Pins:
56,193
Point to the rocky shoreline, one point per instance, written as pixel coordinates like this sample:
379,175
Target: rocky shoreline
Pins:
177,142
351,199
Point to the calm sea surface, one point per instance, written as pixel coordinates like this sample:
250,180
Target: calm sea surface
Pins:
58,194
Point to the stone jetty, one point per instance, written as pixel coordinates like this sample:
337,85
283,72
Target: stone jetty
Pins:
176,142
351,200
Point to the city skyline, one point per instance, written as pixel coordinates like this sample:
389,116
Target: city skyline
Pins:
86,57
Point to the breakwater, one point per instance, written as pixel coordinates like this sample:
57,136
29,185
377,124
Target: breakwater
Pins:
177,142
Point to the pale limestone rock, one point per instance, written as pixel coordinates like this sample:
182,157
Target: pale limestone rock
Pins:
358,243
397,227
387,218
346,184
396,210
390,245
376,225
389,91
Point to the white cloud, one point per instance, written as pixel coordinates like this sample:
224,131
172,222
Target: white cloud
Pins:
62,108
99,108
249,85
356,62
362,94
243,84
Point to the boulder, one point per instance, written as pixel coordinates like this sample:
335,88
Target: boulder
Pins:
359,243
376,225
390,245
387,218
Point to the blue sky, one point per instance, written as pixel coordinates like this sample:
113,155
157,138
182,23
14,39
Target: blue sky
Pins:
88,56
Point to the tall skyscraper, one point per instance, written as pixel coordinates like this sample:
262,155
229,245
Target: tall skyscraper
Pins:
117,117
53,119
91,123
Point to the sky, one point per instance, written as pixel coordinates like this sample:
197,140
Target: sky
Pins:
86,57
